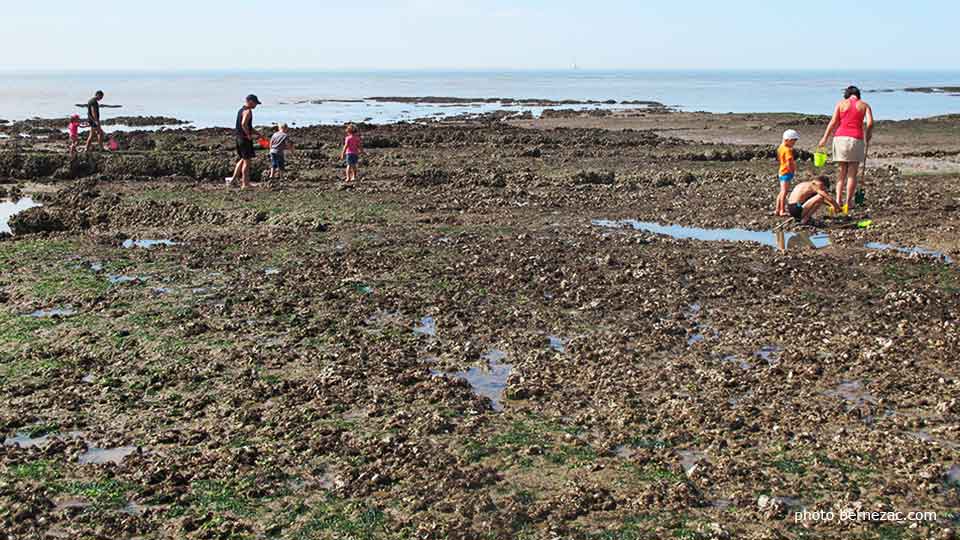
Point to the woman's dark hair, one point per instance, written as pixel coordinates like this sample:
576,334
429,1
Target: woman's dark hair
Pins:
851,91
825,180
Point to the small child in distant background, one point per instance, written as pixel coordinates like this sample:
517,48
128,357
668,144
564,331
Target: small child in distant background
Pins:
279,144
352,148
74,127
788,169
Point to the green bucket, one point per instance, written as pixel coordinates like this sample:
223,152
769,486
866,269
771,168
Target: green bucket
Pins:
820,157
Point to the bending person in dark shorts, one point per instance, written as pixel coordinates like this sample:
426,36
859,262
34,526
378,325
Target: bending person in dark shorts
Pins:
93,118
245,135
808,197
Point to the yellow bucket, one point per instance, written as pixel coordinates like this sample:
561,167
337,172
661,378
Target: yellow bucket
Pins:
820,157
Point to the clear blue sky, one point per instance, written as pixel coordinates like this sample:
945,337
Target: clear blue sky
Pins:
477,34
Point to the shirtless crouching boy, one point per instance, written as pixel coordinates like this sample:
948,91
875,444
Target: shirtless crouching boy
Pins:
807,197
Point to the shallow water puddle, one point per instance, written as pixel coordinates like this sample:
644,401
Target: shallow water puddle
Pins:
490,380
922,436
101,456
53,313
784,241
744,365
852,392
766,501
769,354
428,327
939,255
120,280
698,332
71,503
146,244
690,458
495,355
871,419
9,208
925,437
953,475
628,450
24,440
557,344
134,509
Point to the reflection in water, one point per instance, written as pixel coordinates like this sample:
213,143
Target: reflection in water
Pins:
53,313
101,456
801,240
939,255
777,240
119,280
146,244
489,380
428,327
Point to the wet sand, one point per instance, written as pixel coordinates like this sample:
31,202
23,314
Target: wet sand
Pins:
486,337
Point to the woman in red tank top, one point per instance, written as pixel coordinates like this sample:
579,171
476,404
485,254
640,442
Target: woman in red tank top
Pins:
850,141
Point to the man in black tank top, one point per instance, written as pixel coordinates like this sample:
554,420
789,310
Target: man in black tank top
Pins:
93,119
245,135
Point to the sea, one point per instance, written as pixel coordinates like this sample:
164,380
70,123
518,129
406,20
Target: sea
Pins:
211,98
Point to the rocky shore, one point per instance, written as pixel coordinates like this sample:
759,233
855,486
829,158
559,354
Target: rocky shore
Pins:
487,336
952,90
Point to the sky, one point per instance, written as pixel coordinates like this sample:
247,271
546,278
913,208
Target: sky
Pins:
479,34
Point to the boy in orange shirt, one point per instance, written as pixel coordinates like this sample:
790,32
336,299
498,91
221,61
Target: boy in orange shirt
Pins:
788,169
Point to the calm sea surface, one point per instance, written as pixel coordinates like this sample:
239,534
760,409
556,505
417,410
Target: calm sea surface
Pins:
212,98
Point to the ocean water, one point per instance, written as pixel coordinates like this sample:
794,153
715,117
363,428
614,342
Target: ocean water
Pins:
211,98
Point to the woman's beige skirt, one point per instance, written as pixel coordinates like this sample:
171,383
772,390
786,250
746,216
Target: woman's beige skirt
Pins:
849,150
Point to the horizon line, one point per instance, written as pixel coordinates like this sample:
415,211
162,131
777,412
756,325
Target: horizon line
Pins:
8,70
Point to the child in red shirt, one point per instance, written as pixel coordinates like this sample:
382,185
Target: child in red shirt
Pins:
352,148
74,128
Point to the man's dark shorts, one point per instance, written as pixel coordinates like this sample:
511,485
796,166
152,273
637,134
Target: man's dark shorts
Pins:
93,124
245,148
796,211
